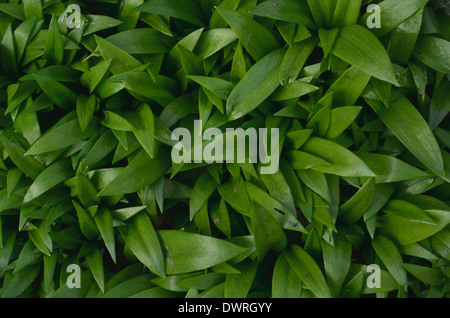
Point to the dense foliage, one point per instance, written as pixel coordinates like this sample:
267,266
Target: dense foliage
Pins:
86,176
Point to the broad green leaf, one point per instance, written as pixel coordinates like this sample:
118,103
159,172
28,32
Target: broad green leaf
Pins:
342,161
257,40
234,192
294,60
48,179
285,219
203,188
121,61
213,41
142,240
429,276
258,84
390,169
30,166
404,37
94,76
358,47
143,121
20,281
87,224
405,231
137,174
341,118
116,122
238,285
185,10
433,52
140,41
187,252
99,22
285,282
32,8
337,260
54,50
203,282
41,239
58,93
286,10
86,106
408,211
267,232
440,104
62,136
308,271
8,52
104,223
441,244
392,14
95,263
390,256
407,124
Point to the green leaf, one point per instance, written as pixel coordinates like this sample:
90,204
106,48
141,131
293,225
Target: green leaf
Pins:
94,76
142,240
86,106
408,211
337,260
238,285
357,46
213,41
433,52
187,252
294,60
62,136
30,166
390,169
404,37
308,271
258,84
286,10
140,41
390,256
268,234
203,188
440,105
99,22
341,118
393,13
256,39
59,94
285,282
104,223
8,52
143,121
405,231
95,263
357,205
87,224
279,189
32,8
342,161
41,239
429,276
48,179
186,10
404,120
20,281
54,49
121,61
137,174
